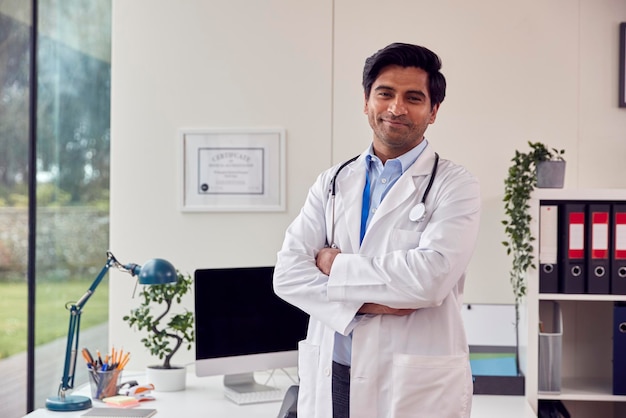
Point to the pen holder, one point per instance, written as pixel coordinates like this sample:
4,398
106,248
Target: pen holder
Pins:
104,383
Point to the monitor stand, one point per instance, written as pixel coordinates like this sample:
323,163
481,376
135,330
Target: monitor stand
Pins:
243,389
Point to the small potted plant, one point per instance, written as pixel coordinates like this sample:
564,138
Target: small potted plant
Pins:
166,332
523,176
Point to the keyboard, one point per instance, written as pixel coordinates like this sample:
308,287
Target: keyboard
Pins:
253,393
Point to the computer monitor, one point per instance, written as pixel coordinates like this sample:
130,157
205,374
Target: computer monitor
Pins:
241,327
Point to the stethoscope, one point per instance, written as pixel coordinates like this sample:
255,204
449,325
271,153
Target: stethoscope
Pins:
417,213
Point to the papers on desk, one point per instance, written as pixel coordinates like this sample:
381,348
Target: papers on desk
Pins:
119,413
122,401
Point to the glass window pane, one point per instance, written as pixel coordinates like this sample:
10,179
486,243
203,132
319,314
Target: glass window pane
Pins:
15,29
73,102
72,170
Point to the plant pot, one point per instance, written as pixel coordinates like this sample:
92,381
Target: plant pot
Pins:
167,380
550,174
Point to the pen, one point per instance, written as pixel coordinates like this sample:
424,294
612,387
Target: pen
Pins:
87,356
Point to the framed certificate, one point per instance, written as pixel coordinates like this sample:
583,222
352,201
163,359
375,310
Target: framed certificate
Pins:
229,170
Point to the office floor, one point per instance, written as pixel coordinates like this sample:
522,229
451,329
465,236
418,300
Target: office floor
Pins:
13,391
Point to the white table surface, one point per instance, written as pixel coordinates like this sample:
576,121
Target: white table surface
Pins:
203,397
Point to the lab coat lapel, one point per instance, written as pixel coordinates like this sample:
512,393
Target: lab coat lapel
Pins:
350,202
407,185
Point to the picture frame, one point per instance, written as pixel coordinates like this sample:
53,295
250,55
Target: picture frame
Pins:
622,64
233,170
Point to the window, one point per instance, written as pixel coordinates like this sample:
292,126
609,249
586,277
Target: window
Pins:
70,214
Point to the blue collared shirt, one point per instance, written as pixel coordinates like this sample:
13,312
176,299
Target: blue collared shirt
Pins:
381,178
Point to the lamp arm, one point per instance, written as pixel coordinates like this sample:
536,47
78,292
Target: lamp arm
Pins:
156,271
71,349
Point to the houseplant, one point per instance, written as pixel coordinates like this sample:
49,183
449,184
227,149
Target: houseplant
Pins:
166,332
518,187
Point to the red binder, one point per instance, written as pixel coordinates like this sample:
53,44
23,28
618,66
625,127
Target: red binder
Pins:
598,266
573,245
618,259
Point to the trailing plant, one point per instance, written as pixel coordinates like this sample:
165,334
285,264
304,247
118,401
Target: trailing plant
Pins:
166,333
518,187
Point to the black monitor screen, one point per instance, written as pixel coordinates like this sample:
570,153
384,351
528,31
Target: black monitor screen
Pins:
237,313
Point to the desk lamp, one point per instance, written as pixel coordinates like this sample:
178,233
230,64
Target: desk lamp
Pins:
154,272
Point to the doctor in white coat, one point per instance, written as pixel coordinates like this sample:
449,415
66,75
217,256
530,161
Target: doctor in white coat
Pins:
377,258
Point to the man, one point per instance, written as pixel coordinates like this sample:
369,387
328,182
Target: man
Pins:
377,258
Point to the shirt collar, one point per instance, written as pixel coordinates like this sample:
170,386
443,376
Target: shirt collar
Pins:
406,160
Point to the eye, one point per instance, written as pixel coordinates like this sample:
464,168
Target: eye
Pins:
416,99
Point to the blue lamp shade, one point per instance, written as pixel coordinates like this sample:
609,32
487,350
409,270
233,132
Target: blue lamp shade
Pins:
157,271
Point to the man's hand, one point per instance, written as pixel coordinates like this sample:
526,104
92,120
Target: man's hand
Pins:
325,258
376,309
324,261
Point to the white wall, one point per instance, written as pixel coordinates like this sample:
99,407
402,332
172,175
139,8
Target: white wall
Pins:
517,71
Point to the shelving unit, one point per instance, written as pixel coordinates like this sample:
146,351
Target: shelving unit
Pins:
587,345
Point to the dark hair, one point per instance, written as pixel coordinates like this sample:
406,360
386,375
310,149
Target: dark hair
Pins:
407,55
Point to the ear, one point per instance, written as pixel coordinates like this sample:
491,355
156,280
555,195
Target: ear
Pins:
365,107
433,113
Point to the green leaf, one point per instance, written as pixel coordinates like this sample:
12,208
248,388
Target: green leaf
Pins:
166,332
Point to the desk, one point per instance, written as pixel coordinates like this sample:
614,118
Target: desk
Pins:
203,397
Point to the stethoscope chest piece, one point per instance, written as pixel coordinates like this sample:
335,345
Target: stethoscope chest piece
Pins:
417,212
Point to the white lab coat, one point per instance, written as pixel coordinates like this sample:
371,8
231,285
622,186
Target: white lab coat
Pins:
402,366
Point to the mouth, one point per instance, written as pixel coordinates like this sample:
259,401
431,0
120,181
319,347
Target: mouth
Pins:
395,122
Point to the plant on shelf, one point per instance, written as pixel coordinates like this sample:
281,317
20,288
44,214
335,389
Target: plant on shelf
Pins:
518,187
167,333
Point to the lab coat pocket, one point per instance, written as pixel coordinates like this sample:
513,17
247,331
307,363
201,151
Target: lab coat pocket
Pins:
404,239
308,359
431,386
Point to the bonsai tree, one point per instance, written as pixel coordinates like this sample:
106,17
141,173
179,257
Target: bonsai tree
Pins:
166,333
518,186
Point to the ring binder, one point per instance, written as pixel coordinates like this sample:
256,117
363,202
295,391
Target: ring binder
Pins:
598,271
548,248
573,248
619,348
618,260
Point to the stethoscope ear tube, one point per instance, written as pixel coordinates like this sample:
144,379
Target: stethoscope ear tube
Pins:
333,187
417,214
333,192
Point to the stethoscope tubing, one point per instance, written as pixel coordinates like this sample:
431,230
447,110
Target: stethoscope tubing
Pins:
333,193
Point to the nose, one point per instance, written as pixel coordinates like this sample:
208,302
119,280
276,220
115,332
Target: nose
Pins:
397,107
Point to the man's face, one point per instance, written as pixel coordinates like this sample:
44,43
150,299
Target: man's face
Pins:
399,110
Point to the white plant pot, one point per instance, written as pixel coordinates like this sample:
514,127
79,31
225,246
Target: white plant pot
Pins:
167,380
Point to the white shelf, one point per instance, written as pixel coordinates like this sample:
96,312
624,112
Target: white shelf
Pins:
579,194
586,347
582,297
588,389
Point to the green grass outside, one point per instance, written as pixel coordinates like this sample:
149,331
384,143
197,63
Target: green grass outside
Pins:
51,317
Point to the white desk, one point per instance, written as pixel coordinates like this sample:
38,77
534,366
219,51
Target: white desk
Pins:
203,397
